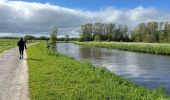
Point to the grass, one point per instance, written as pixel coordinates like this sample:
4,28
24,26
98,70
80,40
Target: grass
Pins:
7,44
57,77
154,48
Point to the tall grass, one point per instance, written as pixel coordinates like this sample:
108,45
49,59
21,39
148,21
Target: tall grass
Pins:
57,77
155,48
7,44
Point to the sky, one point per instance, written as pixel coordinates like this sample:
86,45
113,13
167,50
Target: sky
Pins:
38,17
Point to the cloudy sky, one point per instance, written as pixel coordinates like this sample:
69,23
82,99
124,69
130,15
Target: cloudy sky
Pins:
38,17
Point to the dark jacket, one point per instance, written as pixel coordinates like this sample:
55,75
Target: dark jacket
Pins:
21,44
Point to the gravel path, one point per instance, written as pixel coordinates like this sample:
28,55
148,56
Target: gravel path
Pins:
13,76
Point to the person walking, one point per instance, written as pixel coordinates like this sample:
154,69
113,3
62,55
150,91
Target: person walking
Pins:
21,44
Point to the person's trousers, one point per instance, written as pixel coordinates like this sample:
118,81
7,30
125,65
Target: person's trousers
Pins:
21,51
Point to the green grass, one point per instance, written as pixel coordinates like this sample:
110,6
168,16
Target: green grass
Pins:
7,44
57,77
155,48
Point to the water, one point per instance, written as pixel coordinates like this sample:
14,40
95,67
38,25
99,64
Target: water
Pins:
148,70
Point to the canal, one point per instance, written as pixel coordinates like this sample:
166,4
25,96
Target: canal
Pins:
148,70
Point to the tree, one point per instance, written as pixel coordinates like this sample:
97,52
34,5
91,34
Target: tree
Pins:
126,38
43,38
152,28
102,31
53,36
97,37
147,32
162,37
167,31
86,32
139,32
66,38
29,37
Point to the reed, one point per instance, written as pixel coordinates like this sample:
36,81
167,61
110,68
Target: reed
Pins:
154,48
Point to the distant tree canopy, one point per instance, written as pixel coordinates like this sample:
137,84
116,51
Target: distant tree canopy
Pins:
43,38
152,32
26,37
67,38
102,31
29,37
144,32
9,37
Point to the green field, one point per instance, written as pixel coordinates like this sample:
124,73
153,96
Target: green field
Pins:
155,48
57,77
7,44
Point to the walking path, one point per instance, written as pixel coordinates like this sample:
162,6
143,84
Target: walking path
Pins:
13,76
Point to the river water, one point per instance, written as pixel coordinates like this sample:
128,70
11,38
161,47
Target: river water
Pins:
148,70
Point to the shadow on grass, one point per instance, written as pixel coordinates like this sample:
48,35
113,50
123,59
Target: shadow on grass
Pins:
35,59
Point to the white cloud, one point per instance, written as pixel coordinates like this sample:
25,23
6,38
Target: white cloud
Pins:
36,18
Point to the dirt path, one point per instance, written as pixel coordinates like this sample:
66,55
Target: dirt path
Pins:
13,76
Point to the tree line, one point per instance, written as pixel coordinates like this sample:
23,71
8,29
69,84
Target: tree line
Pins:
143,32
102,31
26,37
152,32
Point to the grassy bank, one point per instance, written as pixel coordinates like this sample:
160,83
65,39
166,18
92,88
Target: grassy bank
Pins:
57,77
7,44
155,48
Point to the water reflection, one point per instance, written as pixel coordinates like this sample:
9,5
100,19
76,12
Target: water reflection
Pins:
145,69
